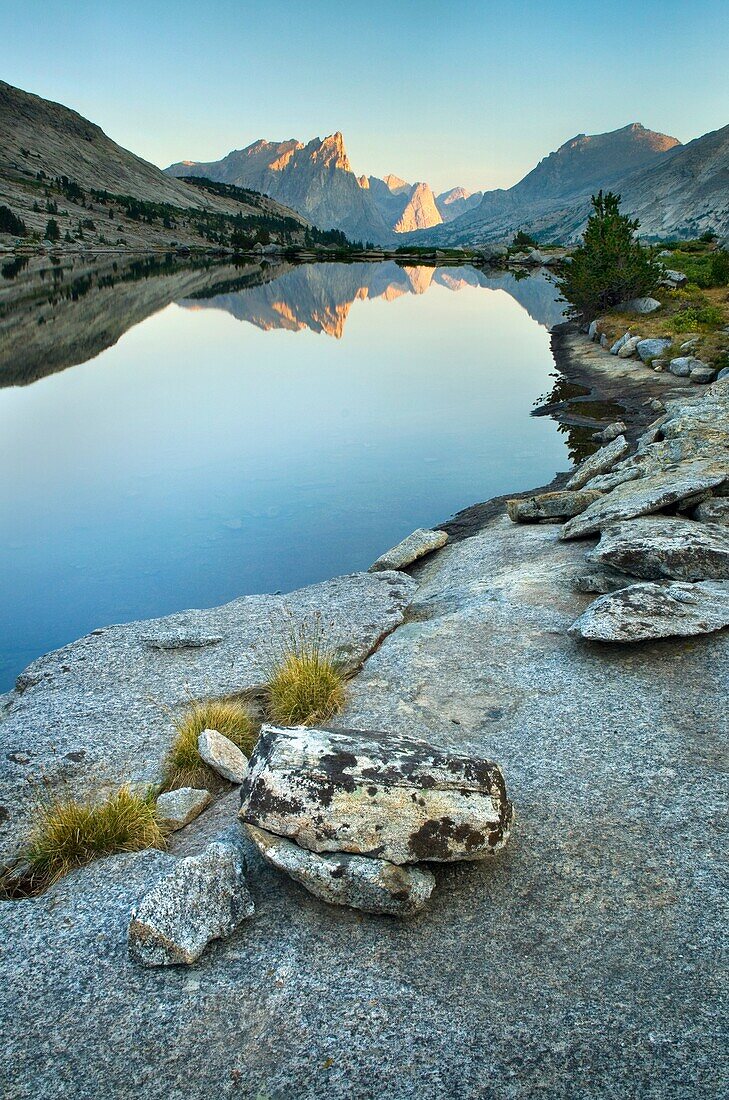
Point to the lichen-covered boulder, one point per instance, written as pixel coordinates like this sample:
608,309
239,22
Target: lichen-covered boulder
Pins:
375,794
550,507
361,882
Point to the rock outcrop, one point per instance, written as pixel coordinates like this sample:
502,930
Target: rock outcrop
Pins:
415,546
657,547
644,612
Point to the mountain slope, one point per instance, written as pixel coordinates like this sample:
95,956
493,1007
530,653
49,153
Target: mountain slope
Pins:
315,179
559,184
42,142
451,204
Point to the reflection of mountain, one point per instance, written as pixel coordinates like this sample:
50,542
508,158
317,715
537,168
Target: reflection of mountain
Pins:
319,296
55,315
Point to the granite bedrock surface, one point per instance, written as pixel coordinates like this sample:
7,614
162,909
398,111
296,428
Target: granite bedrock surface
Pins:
585,960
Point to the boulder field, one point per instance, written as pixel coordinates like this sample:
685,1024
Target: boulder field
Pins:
583,959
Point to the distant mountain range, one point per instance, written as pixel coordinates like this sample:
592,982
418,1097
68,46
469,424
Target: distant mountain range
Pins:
674,189
289,187
317,180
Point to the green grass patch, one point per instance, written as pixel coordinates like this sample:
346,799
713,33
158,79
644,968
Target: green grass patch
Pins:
307,681
696,318
182,765
69,833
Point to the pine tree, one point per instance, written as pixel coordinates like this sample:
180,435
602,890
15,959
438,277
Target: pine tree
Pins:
53,232
610,265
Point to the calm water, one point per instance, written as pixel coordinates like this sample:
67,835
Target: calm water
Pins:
243,438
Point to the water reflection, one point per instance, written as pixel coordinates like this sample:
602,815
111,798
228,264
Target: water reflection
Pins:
159,454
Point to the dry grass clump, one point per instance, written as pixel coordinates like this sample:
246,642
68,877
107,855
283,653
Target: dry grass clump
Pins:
69,833
307,682
183,766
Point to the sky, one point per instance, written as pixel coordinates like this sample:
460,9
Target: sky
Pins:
471,93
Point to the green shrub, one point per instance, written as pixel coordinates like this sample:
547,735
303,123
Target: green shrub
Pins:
694,317
182,765
53,231
523,240
610,265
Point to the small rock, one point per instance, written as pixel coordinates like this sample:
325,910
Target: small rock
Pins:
599,463
629,347
202,898
222,755
361,882
549,506
702,373
178,808
639,305
619,343
643,612
652,349
689,345
682,366
416,545
603,340
611,432
675,278
714,510
592,330
657,547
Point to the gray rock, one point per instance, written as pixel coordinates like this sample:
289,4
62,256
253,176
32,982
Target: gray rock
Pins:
713,510
222,755
652,349
723,373
643,496
599,581
202,898
111,694
682,366
656,547
549,506
629,347
612,431
178,808
689,345
675,278
620,343
592,330
361,882
644,612
605,483
599,462
416,545
702,373
639,305
375,794
604,340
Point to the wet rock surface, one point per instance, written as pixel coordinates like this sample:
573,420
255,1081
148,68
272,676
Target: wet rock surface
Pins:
416,545
99,711
658,547
647,611
371,793
361,882
201,898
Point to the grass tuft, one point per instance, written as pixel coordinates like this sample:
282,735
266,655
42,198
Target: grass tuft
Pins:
69,833
307,682
183,766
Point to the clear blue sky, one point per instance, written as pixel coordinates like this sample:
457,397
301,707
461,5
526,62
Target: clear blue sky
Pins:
470,93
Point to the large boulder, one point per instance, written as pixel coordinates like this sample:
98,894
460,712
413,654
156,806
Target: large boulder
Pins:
361,882
416,545
599,463
644,612
639,305
546,507
645,495
202,898
375,794
656,547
